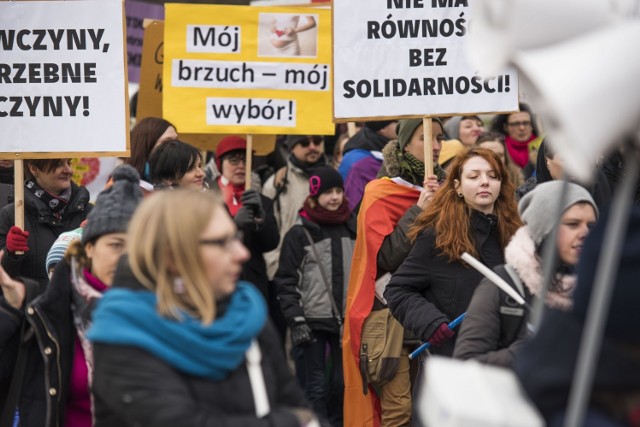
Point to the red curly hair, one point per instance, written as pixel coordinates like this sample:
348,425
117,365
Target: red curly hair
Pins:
449,215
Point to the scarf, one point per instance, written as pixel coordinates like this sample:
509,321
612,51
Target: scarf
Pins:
231,194
518,150
129,318
520,254
312,211
86,290
412,169
57,204
305,167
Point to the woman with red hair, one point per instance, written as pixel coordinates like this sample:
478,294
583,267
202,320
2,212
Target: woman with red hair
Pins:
474,211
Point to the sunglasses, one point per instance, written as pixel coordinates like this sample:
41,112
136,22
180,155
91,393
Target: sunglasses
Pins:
317,141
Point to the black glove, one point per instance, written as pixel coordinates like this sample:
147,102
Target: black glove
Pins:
251,198
244,217
301,335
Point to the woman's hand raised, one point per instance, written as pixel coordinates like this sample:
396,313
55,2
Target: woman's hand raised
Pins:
12,290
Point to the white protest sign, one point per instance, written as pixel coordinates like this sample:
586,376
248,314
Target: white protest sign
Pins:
397,58
62,78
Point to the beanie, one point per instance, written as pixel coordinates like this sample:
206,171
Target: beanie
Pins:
452,126
115,205
376,126
449,150
407,127
322,179
535,206
623,321
228,144
59,247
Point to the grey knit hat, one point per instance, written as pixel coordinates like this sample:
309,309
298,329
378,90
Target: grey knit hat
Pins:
536,206
115,205
407,127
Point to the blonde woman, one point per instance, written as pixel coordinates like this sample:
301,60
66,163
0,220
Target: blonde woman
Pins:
179,341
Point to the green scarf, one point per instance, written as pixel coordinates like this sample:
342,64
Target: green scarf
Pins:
412,169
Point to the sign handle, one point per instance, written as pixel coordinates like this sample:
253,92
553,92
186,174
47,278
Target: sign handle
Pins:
351,129
18,190
428,147
248,163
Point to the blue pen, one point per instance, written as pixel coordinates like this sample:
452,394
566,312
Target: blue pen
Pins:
426,345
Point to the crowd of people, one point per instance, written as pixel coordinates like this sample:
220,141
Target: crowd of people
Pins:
183,297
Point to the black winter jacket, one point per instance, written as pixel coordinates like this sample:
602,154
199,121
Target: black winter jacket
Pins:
134,388
301,289
43,337
428,289
43,230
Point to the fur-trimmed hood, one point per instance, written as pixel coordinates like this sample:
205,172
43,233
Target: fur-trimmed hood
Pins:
391,162
520,254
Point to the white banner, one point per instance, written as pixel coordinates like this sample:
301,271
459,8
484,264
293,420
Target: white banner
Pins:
406,58
62,77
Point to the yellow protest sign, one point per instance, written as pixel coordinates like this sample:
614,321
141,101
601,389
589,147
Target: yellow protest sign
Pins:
253,70
150,93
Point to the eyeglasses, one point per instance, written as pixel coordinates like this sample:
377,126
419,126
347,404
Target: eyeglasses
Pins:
225,242
317,141
235,159
519,124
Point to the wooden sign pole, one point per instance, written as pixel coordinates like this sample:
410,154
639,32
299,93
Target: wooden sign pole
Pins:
18,190
248,163
351,129
428,147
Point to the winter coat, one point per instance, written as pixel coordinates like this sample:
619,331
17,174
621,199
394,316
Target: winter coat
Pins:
147,388
361,161
43,230
301,288
428,289
259,240
288,188
495,326
47,332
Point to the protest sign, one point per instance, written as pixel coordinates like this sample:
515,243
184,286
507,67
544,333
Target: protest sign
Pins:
63,88
150,93
252,70
137,12
395,58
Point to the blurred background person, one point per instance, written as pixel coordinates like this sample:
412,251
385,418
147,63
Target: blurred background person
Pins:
175,164
465,129
520,130
494,141
53,204
146,135
251,211
362,157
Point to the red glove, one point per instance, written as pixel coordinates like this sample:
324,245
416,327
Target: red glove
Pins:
17,240
441,334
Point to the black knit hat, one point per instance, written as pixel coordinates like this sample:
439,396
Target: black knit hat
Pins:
115,205
376,126
323,179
